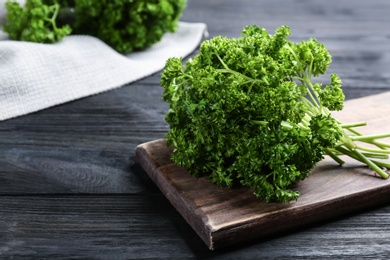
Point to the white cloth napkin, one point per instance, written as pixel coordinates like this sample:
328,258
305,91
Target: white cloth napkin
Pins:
36,76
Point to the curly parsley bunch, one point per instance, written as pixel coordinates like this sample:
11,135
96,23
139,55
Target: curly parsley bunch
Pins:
245,110
125,25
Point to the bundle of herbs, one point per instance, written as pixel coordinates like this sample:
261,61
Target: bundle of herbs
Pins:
246,110
124,25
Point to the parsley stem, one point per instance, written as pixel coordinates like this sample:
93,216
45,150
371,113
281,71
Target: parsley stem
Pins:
55,8
369,137
376,156
334,156
356,124
360,157
312,91
381,164
381,151
376,143
308,103
306,77
372,165
249,79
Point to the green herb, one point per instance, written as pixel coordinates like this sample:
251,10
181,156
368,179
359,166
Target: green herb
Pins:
125,25
246,111
35,22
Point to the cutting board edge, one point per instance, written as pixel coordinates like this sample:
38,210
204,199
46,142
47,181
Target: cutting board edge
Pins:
199,225
312,215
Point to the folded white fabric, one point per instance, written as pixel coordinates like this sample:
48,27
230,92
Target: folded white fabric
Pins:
36,76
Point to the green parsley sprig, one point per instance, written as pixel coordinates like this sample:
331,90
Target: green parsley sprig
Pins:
35,22
246,111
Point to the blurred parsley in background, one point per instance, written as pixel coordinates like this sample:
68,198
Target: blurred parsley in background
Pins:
125,25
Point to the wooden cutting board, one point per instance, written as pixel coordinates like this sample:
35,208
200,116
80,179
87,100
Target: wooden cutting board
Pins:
222,216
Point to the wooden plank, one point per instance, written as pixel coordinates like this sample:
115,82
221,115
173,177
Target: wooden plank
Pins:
86,146
222,216
146,226
95,226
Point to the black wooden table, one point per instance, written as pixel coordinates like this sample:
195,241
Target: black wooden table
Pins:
70,186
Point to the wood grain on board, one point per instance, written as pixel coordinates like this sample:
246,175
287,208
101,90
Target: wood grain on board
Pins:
222,216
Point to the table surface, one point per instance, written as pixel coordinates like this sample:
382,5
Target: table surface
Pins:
70,186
